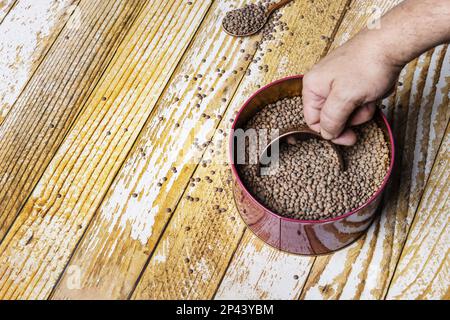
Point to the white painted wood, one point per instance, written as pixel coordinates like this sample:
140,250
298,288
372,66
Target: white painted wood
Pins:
25,35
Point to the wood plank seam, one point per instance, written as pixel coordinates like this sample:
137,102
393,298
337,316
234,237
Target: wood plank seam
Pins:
325,52
9,10
181,198
435,80
336,29
414,218
19,151
193,15
127,155
178,210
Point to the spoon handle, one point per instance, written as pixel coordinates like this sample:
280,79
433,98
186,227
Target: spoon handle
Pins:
277,5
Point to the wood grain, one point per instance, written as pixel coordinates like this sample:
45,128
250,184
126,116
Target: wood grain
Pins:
101,113
418,114
5,8
364,270
357,15
198,242
258,271
133,214
27,32
423,271
75,182
35,127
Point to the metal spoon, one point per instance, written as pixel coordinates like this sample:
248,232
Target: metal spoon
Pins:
291,136
270,10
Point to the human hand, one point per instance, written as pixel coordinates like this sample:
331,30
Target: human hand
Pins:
342,89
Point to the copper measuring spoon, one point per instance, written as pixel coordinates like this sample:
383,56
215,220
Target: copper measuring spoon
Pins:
297,134
269,12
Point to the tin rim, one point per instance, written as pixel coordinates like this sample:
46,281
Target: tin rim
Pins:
343,216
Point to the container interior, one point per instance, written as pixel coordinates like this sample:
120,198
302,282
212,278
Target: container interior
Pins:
287,88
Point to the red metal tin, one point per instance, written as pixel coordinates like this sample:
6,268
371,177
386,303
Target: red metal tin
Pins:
300,236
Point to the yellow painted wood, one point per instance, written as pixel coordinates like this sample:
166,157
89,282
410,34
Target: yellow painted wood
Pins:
27,33
198,242
193,251
258,271
423,271
238,280
132,216
47,107
417,114
43,237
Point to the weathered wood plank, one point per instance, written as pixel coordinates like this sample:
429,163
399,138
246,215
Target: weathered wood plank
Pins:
423,271
198,242
40,242
62,83
357,16
127,228
418,115
26,35
272,275
5,8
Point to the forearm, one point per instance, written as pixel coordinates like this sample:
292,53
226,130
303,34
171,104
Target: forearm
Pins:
410,29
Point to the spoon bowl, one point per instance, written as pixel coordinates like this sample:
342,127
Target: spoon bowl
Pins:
269,12
292,136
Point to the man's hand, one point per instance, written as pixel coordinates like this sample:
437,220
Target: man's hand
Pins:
341,90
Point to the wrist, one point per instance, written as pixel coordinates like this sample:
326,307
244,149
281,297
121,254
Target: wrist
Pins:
409,30
381,48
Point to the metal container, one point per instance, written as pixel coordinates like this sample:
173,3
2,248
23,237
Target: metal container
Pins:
291,235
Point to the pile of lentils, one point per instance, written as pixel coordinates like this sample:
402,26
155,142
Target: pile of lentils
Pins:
245,20
308,184
251,18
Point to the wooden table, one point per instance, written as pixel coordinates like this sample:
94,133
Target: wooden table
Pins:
95,111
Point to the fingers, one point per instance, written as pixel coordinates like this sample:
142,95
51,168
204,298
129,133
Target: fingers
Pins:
360,116
312,103
363,114
312,117
334,115
347,138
